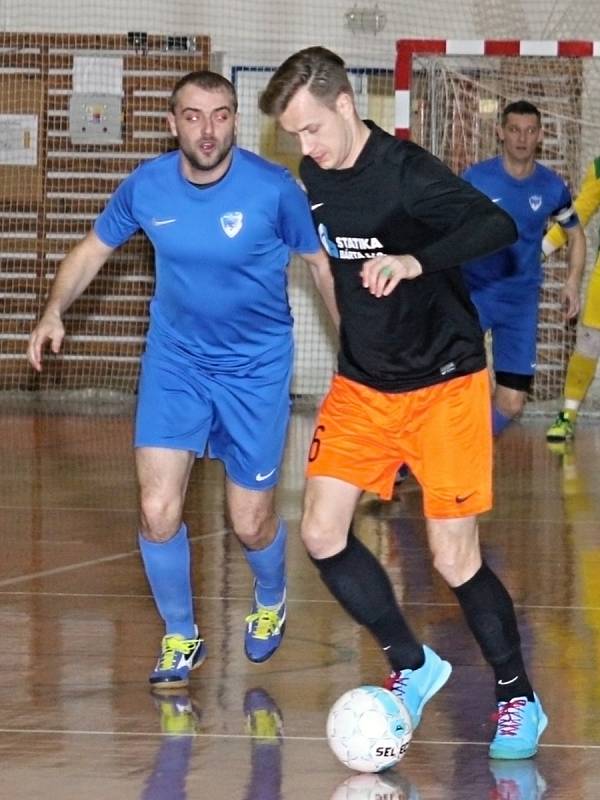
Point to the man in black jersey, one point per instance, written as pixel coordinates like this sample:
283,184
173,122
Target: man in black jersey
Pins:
411,386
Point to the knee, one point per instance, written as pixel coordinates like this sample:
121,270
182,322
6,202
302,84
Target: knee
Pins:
255,529
456,566
512,406
160,518
320,539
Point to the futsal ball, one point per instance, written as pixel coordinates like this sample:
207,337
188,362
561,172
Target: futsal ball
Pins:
369,729
390,786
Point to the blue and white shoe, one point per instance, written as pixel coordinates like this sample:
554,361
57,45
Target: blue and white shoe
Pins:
416,686
521,722
178,657
264,630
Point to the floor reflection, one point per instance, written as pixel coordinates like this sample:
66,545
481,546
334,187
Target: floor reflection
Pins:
384,786
81,632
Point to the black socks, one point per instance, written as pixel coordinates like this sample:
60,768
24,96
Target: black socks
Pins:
490,615
362,587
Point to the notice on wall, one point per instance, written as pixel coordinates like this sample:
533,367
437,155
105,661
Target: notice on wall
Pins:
18,139
97,75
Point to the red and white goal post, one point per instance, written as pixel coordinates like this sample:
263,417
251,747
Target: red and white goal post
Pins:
448,97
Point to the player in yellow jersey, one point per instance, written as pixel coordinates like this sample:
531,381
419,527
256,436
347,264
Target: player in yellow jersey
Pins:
583,362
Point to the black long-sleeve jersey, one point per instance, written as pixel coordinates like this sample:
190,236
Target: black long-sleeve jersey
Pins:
398,199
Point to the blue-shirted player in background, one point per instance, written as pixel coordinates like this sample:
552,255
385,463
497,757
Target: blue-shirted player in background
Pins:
505,286
216,371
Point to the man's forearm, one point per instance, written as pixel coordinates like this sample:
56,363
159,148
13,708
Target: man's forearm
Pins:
323,279
576,257
485,232
75,273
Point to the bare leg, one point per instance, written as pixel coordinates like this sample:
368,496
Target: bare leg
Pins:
508,405
163,477
252,514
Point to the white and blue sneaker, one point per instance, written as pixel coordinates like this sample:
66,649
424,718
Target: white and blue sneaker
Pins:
416,686
178,657
521,722
265,627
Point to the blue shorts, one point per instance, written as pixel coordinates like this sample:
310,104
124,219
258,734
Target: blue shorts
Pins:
241,419
513,325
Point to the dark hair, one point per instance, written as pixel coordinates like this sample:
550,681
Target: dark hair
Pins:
320,70
203,79
520,107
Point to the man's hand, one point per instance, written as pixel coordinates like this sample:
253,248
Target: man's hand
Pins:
49,329
570,299
381,275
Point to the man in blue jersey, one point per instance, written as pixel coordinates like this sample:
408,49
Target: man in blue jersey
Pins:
505,286
216,371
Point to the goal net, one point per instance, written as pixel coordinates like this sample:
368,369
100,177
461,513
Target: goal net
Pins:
449,97
83,96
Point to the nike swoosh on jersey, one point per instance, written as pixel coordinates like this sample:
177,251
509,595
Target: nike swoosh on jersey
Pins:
158,222
316,205
496,199
261,477
462,499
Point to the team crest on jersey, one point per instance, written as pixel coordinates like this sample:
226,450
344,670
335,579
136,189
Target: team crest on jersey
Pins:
330,247
232,222
535,201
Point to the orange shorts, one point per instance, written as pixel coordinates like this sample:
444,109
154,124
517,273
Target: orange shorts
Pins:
443,432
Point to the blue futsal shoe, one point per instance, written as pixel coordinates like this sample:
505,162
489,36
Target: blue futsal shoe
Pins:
521,722
416,686
264,630
178,657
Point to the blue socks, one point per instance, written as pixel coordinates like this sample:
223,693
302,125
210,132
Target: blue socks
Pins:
499,421
167,566
268,567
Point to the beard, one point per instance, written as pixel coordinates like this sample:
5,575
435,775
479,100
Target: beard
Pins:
205,163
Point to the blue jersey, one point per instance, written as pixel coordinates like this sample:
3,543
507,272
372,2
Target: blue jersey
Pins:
530,201
221,254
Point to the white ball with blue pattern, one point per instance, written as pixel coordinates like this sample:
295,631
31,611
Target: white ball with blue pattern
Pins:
369,729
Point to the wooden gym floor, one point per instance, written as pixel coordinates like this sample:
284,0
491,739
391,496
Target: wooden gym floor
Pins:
79,633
